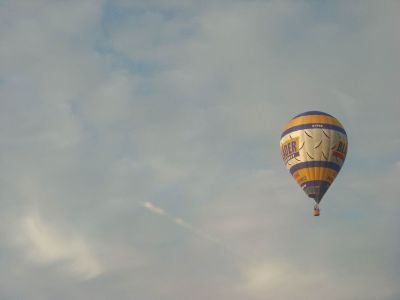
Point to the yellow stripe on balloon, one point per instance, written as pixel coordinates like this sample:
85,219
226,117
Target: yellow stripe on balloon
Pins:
315,173
318,119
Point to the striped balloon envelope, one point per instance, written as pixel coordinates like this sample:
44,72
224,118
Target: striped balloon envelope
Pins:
313,147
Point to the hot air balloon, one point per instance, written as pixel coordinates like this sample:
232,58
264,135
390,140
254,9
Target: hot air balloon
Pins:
313,147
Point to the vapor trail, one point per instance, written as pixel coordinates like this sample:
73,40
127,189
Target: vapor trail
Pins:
184,224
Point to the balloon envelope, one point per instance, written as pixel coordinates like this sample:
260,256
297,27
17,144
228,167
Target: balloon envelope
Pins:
313,147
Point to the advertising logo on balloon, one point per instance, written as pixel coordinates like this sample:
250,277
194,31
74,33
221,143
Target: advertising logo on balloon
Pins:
340,149
290,149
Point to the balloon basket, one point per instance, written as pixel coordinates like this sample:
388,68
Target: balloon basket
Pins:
316,211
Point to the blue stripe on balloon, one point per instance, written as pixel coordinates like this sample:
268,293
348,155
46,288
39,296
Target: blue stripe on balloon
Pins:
313,126
323,187
313,164
312,112
320,183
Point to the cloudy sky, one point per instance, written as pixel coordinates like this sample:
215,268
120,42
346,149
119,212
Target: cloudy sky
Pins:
139,149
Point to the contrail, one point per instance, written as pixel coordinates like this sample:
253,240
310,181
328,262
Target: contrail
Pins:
153,208
184,224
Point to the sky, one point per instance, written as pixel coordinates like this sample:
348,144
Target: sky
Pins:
139,149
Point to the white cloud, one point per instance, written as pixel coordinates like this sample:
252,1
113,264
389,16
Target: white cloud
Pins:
111,100
45,244
274,280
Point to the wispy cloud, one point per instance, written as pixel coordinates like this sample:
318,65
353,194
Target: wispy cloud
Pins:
272,279
44,244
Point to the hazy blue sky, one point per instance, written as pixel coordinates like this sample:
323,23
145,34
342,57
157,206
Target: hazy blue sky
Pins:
139,149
